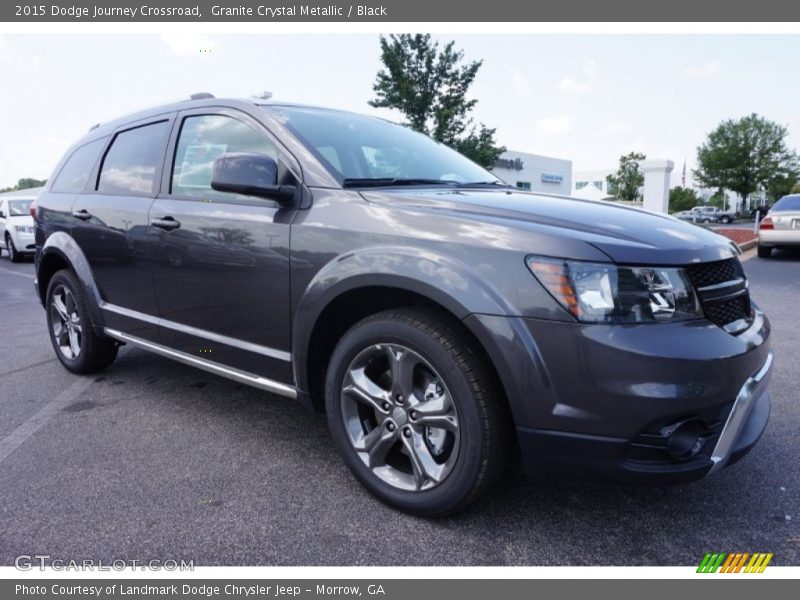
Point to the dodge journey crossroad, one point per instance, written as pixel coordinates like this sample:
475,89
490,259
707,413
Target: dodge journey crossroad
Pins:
448,324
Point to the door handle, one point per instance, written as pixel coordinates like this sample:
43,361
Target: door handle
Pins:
167,223
82,214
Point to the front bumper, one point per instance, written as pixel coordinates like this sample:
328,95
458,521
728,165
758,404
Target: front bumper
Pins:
25,244
605,401
572,455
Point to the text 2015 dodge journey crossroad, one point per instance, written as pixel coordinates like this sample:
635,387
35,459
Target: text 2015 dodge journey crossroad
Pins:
447,323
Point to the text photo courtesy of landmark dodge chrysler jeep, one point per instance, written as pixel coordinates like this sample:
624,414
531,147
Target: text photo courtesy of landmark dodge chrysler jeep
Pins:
448,324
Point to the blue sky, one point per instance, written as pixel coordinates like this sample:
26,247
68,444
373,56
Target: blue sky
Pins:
588,98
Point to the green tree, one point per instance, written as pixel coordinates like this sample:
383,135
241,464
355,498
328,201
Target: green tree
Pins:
795,189
781,185
681,198
718,199
746,155
429,86
625,183
24,184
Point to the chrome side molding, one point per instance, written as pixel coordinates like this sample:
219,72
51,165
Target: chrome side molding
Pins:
262,383
201,333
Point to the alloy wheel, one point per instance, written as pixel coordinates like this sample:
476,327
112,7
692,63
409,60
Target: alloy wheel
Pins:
66,322
400,417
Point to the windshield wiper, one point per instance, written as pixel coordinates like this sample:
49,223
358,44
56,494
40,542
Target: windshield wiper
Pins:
393,181
494,183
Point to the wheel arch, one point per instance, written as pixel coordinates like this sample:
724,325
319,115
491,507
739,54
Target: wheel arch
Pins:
61,251
355,286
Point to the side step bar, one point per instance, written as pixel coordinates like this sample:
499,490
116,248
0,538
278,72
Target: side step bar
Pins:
262,383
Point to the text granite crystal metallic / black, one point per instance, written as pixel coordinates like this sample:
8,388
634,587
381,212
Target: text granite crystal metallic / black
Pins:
447,323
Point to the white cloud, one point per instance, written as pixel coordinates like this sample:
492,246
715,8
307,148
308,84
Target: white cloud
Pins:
636,146
568,85
557,124
619,127
702,71
522,87
5,50
189,44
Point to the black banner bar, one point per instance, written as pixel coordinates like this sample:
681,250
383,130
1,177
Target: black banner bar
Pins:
255,11
730,588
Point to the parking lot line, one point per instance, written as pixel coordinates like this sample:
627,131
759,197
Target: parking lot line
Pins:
18,437
28,275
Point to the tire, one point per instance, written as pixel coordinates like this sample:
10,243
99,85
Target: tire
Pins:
725,220
13,255
449,384
76,345
706,220
764,251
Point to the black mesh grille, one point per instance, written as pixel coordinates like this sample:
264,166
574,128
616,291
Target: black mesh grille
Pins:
728,311
712,273
719,309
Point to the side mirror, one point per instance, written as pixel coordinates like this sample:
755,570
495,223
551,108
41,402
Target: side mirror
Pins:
250,174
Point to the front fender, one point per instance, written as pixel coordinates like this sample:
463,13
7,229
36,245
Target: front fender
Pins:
453,285
64,246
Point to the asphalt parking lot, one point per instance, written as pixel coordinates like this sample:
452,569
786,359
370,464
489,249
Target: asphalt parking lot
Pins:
155,460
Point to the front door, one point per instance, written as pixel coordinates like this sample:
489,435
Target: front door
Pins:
221,260
111,223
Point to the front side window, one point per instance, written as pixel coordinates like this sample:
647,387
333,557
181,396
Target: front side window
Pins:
75,173
202,140
357,148
132,161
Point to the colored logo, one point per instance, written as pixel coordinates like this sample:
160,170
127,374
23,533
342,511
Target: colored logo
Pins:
735,562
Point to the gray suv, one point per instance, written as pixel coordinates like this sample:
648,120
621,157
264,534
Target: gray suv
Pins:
449,325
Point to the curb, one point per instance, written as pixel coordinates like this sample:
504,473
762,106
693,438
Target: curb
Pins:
748,245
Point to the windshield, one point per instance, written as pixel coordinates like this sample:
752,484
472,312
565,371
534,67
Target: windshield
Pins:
357,149
787,203
19,208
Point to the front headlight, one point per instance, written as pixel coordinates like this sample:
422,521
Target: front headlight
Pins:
606,293
23,229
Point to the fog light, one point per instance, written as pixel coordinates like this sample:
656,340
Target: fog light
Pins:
685,439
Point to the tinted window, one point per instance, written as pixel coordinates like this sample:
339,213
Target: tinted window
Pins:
131,163
202,140
75,172
370,148
787,203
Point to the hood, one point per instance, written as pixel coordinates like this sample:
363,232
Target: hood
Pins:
21,220
624,234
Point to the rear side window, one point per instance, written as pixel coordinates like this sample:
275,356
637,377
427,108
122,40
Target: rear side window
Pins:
202,140
787,203
75,173
132,161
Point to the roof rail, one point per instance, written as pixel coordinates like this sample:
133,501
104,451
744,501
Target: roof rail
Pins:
201,96
95,126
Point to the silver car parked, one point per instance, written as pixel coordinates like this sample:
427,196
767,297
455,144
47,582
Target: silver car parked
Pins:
781,226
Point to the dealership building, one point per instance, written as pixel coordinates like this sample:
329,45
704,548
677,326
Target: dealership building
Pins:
535,172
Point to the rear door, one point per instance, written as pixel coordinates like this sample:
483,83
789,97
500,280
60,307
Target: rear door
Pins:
111,223
221,260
